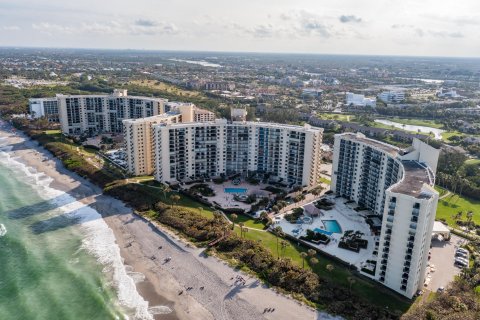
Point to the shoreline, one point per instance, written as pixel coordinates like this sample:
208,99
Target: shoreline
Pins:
139,241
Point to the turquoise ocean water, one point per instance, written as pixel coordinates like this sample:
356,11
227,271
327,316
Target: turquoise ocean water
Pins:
58,260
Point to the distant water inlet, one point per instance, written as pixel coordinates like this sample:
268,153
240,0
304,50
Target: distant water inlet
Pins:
408,127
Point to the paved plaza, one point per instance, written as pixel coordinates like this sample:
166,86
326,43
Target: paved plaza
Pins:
348,219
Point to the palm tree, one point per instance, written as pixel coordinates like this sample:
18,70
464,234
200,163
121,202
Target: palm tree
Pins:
166,189
311,252
329,267
234,219
283,245
469,219
200,210
313,261
303,255
174,198
278,232
241,224
351,282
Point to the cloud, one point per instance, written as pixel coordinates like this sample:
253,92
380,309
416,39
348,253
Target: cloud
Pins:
138,27
145,23
349,19
10,28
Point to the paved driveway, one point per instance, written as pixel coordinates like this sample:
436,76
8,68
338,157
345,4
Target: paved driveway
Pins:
443,258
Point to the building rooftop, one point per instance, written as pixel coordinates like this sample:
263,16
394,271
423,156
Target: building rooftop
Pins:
414,177
394,151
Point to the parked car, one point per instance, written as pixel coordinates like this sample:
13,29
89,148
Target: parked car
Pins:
462,260
461,254
461,263
462,250
441,289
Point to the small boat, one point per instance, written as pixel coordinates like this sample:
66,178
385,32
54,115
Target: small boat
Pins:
3,230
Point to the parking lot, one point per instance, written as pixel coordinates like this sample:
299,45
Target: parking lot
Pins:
443,259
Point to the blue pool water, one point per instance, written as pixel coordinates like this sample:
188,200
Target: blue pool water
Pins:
332,226
235,190
318,230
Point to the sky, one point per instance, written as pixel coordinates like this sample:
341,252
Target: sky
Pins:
377,27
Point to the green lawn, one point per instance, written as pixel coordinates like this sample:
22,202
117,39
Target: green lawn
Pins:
373,293
325,180
247,221
418,122
448,134
336,116
441,190
453,203
473,161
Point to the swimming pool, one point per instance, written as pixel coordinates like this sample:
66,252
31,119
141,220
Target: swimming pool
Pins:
332,226
318,230
235,190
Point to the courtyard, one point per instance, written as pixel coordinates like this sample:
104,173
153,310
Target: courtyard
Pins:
233,194
333,223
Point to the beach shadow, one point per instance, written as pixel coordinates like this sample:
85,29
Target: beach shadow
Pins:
44,206
53,224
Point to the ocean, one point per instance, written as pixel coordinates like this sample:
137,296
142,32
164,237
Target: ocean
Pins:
58,258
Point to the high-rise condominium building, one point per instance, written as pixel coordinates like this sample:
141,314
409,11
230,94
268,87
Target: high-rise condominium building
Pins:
138,135
397,185
290,154
94,114
44,107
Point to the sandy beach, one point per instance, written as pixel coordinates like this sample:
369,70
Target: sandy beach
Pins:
191,284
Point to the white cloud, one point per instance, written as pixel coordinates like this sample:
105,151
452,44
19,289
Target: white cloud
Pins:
138,27
10,28
349,19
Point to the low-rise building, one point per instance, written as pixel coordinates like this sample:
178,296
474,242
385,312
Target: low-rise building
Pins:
359,100
392,96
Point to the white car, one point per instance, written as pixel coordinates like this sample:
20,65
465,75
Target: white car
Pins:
462,260
461,263
462,250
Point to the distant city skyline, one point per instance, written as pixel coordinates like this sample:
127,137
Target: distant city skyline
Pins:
370,27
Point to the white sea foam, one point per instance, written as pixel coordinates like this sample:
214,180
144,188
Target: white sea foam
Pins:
3,230
99,239
160,310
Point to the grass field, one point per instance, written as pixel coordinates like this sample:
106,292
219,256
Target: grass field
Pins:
336,116
371,292
473,161
418,122
448,134
453,203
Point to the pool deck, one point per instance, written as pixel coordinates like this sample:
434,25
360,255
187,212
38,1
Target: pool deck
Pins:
225,199
348,219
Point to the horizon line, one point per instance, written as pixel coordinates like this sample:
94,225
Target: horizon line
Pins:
239,52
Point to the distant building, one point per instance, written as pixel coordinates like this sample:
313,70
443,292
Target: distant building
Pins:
443,93
138,134
238,114
392,96
94,114
359,100
312,93
220,85
44,107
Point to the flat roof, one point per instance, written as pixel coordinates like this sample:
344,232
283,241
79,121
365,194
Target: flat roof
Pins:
414,177
394,151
